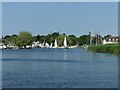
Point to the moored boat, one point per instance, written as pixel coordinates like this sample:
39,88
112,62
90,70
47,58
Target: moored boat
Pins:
65,43
55,44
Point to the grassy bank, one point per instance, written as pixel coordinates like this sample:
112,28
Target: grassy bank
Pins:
109,48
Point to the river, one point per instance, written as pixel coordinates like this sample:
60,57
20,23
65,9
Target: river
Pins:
58,68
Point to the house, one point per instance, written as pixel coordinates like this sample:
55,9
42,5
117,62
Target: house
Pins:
111,40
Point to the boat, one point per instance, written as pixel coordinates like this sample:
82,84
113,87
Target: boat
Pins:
55,44
51,45
2,46
65,43
46,45
28,47
43,45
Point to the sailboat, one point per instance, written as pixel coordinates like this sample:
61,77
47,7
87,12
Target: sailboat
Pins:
65,43
46,45
55,44
51,45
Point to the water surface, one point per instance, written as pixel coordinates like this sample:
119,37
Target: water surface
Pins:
59,68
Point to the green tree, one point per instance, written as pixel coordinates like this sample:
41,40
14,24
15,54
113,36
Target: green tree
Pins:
107,36
10,39
42,39
47,38
24,38
7,36
51,40
73,40
84,39
55,34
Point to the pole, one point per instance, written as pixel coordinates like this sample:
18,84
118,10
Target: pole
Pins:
90,38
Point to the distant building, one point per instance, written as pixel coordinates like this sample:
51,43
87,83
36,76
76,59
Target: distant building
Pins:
111,40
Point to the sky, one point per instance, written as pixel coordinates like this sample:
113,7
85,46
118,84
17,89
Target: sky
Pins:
60,0
76,18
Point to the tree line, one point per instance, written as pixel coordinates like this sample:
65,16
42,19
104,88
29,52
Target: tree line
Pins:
26,38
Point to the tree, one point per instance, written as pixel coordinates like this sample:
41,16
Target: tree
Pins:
51,40
73,40
11,40
47,39
42,39
84,39
7,36
24,38
60,40
107,36
55,34
35,38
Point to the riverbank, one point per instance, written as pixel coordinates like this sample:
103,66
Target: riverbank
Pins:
108,48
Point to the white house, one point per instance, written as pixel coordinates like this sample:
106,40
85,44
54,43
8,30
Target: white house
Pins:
110,40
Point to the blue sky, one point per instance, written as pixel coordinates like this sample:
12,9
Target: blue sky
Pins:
70,18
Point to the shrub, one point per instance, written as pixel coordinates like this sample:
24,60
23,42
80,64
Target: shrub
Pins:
108,48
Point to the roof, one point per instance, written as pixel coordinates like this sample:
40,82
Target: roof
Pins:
112,37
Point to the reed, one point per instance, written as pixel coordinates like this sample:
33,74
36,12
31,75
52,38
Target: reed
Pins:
108,48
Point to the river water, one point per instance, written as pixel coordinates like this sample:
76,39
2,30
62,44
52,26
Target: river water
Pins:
58,68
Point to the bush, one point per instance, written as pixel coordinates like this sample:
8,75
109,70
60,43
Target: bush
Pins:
108,48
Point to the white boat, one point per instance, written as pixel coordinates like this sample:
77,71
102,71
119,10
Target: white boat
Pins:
65,43
2,46
55,44
51,45
28,47
46,45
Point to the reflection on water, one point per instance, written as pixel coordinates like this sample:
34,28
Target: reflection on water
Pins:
65,54
59,68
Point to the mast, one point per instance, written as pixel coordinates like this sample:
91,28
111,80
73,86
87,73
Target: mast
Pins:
90,38
96,38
